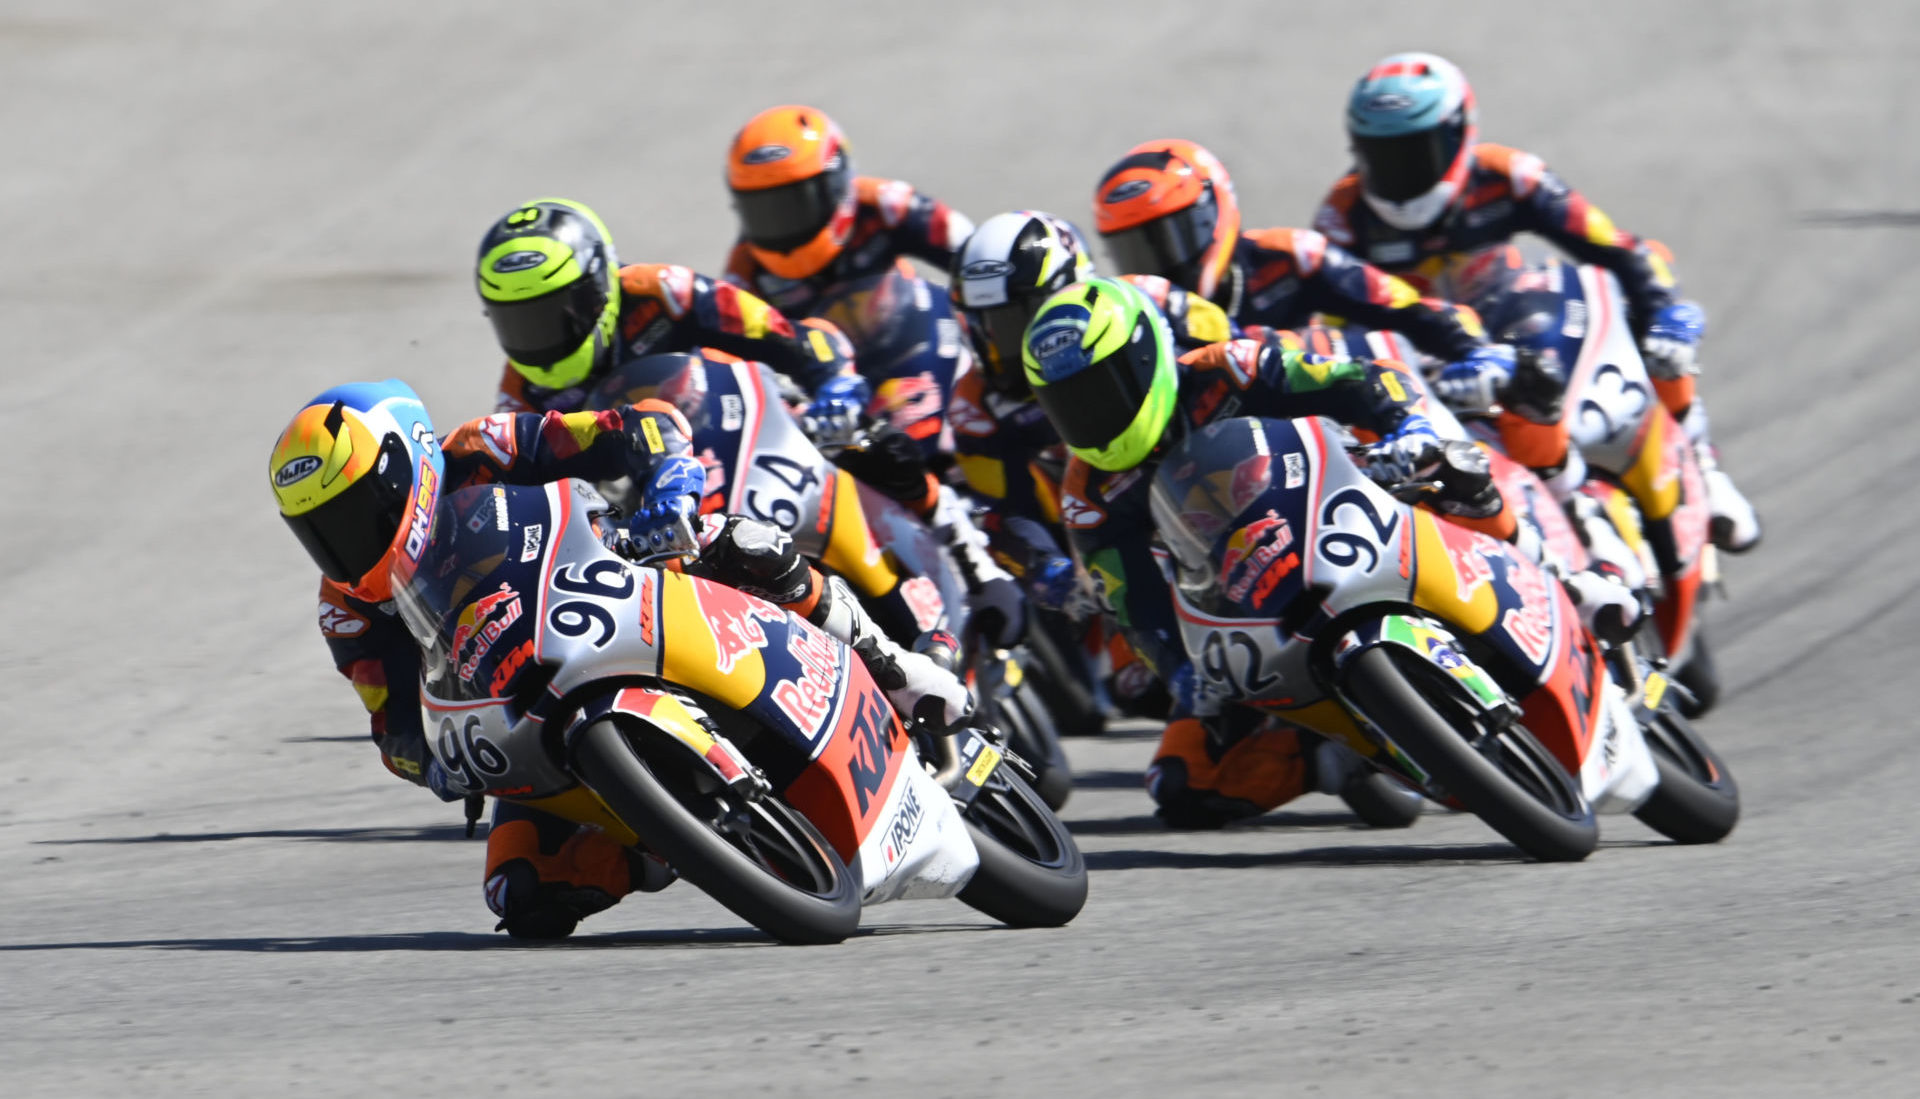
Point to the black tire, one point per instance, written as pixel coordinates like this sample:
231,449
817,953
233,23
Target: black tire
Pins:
1031,872
1697,800
1503,776
1380,802
1030,733
1062,676
1700,676
781,876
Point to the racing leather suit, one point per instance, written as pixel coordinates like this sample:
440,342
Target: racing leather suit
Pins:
1212,767
890,220
665,308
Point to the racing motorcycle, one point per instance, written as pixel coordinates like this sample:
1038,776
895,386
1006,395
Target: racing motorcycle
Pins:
1434,652
1643,471
760,463
750,750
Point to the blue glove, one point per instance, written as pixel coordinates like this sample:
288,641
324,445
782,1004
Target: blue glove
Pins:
1475,382
1671,339
1393,462
663,522
1055,583
837,409
442,783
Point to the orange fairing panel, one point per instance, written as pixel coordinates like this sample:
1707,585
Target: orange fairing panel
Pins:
844,788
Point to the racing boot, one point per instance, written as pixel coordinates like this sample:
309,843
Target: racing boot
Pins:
1209,772
1735,526
545,875
919,687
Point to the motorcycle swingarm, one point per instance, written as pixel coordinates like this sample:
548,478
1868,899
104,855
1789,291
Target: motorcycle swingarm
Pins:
966,760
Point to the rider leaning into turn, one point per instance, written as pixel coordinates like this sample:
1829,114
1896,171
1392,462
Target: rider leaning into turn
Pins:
1103,365
358,474
1101,360
1168,209
1423,193
807,223
565,311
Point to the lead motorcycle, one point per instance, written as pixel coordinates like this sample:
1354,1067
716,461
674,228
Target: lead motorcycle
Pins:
1437,654
750,750
760,463
1643,471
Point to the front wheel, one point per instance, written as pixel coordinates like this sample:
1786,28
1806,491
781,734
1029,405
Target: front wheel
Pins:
1031,872
1501,774
1697,800
760,858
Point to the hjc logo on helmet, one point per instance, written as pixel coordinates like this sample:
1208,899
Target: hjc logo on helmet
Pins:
766,154
1132,188
986,269
1056,345
1389,101
518,261
304,466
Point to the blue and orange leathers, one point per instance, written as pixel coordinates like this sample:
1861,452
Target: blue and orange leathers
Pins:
665,308
372,648
891,220
1507,192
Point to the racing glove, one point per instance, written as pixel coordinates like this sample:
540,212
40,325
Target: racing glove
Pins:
891,463
998,612
1671,340
1472,384
662,525
838,410
443,784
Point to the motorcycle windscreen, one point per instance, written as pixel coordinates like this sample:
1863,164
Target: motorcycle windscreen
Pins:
470,603
1228,502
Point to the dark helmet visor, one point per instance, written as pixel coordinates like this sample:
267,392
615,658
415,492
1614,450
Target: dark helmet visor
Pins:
1167,246
1090,409
541,331
1408,165
781,219
349,534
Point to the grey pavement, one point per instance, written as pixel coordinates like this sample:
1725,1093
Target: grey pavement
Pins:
208,886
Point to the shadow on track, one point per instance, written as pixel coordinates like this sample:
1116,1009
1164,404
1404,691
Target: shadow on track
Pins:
438,941
1149,825
1109,780
1463,854
431,834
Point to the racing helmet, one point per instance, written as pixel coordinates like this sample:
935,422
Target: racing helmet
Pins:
1411,121
357,474
792,183
1167,208
550,282
1099,356
998,279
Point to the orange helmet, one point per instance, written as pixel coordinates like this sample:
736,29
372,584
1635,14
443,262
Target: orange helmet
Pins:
1167,209
792,183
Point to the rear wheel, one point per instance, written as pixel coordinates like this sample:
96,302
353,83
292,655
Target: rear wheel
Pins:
759,857
1697,800
1500,773
1031,872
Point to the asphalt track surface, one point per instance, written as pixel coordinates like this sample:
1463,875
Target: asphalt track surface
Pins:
208,886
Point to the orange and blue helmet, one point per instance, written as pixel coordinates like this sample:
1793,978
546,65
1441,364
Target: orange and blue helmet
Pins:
357,474
792,183
1412,122
1167,208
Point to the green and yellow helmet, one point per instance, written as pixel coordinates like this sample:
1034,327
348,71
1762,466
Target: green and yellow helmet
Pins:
551,284
1099,356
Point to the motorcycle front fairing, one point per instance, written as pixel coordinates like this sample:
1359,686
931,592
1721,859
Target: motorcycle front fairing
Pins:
598,627
1270,617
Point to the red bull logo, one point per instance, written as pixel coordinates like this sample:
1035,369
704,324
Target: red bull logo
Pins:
479,624
1244,546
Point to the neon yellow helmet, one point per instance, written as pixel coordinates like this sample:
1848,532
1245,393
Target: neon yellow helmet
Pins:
1099,356
550,281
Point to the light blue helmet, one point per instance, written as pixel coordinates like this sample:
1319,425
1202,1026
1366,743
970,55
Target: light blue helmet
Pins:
1411,120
